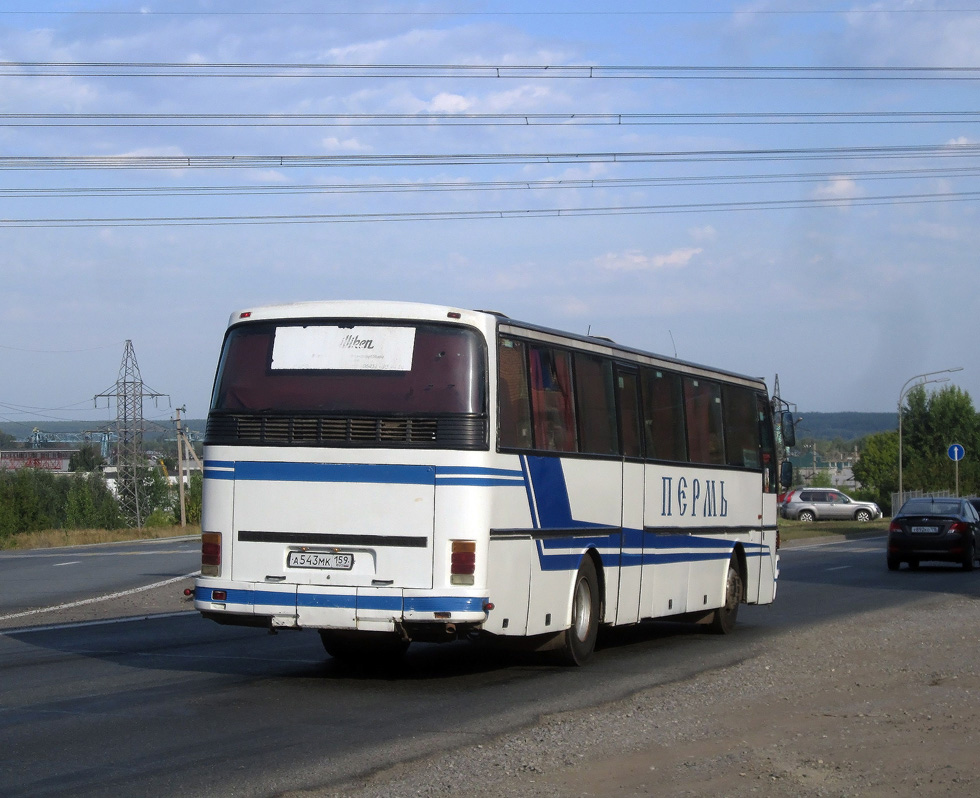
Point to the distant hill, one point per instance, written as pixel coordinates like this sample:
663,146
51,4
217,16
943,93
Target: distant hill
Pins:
819,426
847,426
160,428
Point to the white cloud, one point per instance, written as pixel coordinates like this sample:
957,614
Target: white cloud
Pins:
335,144
267,176
445,103
838,188
636,261
706,233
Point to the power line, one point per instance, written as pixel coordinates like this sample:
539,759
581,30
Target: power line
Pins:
771,178
459,13
147,69
182,162
480,120
416,216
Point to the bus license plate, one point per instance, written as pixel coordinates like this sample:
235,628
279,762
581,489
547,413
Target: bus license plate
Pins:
334,560
924,530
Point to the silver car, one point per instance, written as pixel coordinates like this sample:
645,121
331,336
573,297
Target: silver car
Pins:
825,504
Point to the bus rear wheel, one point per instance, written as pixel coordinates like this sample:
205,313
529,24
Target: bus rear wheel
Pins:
724,618
578,641
363,648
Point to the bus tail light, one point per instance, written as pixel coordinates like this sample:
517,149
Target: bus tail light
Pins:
463,562
210,553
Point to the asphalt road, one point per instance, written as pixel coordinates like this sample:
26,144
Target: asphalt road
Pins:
178,705
46,577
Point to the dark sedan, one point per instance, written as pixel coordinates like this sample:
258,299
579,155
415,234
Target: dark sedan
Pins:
933,529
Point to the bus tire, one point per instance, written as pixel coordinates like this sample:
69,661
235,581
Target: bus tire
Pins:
724,618
578,641
363,648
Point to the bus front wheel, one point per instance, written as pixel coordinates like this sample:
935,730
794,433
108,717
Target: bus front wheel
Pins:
578,641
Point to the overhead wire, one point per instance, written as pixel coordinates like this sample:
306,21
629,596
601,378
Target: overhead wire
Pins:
151,69
457,12
182,162
531,213
773,178
239,120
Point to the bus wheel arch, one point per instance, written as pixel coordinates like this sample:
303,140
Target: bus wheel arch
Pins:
577,642
724,618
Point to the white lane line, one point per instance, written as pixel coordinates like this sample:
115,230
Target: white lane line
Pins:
20,630
96,599
839,568
59,564
833,543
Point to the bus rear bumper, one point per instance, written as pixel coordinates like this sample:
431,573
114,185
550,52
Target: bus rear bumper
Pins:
313,607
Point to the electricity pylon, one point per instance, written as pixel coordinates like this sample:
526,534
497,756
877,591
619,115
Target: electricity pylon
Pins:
132,470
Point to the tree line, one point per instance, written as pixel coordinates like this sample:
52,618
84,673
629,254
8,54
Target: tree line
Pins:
33,500
931,422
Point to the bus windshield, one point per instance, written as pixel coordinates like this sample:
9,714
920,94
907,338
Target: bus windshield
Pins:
351,367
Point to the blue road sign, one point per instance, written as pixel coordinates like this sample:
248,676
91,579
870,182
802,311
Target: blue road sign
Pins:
956,452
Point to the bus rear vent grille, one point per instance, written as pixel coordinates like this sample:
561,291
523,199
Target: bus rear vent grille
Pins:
452,432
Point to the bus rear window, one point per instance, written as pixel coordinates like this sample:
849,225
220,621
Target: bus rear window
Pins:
351,368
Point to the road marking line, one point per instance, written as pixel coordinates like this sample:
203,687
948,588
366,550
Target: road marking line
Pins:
97,599
832,543
59,564
20,630
839,568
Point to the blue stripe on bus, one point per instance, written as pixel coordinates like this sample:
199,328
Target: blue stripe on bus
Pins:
477,476
248,597
327,472
637,549
363,473
530,493
481,483
550,503
282,598
458,471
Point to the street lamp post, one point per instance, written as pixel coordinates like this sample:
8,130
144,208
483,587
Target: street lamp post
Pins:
906,387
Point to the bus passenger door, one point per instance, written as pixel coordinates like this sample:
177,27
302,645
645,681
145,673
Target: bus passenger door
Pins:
627,397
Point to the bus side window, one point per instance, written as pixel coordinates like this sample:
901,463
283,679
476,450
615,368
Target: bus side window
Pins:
596,405
514,412
741,426
552,405
705,436
629,413
663,415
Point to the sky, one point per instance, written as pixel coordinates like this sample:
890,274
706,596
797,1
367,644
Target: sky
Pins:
777,187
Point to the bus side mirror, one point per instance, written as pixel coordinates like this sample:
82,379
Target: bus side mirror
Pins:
786,474
788,428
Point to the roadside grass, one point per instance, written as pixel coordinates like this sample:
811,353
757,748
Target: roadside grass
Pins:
799,530
51,538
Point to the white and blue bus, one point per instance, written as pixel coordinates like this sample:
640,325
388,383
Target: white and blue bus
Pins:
385,472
